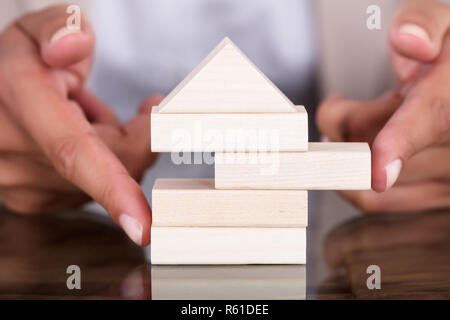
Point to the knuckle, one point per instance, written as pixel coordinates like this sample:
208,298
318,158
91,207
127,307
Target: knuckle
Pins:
64,152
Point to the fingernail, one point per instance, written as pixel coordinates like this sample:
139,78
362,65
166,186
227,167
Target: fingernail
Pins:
392,172
132,286
64,31
132,227
324,139
415,30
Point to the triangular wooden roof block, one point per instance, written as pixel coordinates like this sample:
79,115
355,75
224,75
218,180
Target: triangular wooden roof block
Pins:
226,81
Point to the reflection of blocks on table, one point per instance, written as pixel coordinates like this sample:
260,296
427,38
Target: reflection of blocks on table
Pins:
259,282
256,213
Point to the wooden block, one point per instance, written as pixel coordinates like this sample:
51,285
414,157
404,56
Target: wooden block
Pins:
258,282
173,245
326,166
196,203
226,81
229,132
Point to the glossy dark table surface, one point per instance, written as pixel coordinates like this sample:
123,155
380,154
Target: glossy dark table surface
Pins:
412,251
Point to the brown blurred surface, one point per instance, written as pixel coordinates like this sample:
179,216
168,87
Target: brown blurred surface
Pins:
412,251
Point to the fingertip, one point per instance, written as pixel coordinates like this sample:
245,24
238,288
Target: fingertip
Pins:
137,228
330,116
128,206
386,164
414,42
67,47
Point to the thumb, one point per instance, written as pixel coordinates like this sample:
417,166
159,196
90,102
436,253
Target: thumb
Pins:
59,45
419,28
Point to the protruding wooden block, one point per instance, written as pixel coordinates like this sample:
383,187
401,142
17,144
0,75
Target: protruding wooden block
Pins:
173,245
196,203
226,81
326,166
229,132
228,282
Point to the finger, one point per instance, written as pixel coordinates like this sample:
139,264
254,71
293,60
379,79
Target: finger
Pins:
131,144
367,119
402,198
95,109
13,138
426,166
59,45
78,154
345,120
405,69
21,171
34,201
147,105
137,136
423,119
419,28
331,116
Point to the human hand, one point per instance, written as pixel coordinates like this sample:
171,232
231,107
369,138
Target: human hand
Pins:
409,132
59,144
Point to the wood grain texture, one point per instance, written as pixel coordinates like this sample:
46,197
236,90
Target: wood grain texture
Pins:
184,246
326,166
412,251
226,81
196,203
229,282
229,132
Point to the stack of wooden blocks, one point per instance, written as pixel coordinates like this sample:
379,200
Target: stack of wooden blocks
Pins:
255,211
